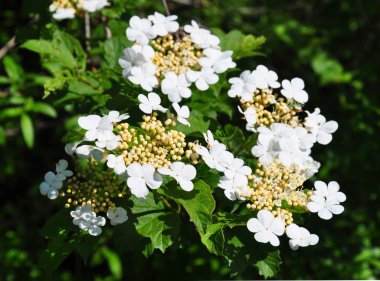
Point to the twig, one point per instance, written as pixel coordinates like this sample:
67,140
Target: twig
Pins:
9,45
87,31
106,28
166,7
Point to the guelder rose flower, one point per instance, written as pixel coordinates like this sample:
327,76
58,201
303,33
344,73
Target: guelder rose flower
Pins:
62,13
183,113
218,60
117,163
264,78
115,116
182,173
142,177
117,215
294,89
140,31
317,125
51,185
108,140
200,36
150,103
330,191
144,75
234,189
61,169
250,117
94,5
242,86
163,25
300,237
176,87
216,157
266,227
87,220
202,78
95,125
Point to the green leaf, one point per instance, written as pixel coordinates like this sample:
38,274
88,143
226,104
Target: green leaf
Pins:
197,124
81,88
39,46
27,129
11,112
155,222
13,70
198,203
2,136
87,246
114,263
269,266
44,108
113,50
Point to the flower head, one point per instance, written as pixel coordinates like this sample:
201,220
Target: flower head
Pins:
294,89
182,173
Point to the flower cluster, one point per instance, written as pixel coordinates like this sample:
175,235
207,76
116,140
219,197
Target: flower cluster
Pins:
172,58
67,9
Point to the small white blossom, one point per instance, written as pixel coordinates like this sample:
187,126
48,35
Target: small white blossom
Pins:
200,36
163,25
233,189
136,55
300,237
51,185
108,140
87,220
94,5
117,163
237,171
323,207
202,78
242,86
95,125
250,117
62,13
209,138
87,151
218,60
263,78
266,227
182,173
294,89
142,177
176,87
330,191
140,31
115,116
61,169
150,103
117,215
216,157
145,76
317,125
183,113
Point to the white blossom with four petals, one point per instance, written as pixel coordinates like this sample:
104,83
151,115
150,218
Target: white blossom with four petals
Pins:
182,173
117,215
294,89
163,25
183,113
176,86
140,30
300,237
150,103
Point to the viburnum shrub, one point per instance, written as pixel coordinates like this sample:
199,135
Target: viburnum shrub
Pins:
166,133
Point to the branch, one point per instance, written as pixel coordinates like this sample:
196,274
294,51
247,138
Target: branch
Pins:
166,7
9,45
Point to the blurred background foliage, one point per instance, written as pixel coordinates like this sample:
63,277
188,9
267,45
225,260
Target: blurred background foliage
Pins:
333,45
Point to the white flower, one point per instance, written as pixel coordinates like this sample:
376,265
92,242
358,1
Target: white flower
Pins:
117,215
183,113
330,191
87,151
163,25
217,157
300,237
108,140
234,190
61,169
182,173
209,138
200,36
242,86
62,13
250,117
115,116
264,78
325,208
266,227
150,103
117,163
144,75
175,86
236,171
51,185
140,177
95,125
140,31
218,60
317,125
202,78
87,220
310,167
294,90
135,56
94,5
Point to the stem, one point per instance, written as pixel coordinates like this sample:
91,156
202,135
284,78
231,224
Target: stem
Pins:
166,7
87,31
106,28
9,45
